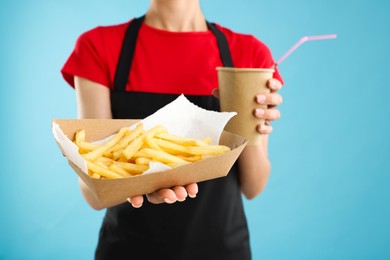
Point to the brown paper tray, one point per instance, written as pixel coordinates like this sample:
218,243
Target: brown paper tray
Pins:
112,191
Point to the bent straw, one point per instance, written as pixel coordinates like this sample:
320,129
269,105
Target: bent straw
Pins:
302,40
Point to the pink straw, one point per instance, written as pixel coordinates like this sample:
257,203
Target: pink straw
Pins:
302,40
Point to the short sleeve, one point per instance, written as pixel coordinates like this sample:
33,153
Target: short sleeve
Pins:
87,60
265,60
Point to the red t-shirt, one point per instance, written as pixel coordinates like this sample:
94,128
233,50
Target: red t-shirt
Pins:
164,62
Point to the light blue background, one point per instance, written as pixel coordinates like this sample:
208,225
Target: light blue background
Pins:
328,195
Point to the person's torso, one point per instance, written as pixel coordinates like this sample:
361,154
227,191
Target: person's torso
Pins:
212,225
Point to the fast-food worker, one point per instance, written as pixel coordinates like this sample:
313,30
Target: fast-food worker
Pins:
131,70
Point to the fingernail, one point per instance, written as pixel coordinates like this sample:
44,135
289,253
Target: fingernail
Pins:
272,83
192,195
168,201
181,200
134,206
260,98
259,111
262,127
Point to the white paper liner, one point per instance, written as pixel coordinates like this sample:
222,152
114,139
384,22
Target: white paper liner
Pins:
70,149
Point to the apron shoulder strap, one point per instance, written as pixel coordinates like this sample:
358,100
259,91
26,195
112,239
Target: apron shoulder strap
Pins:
223,45
128,49
127,54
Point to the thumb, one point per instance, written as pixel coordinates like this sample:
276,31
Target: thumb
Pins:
215,92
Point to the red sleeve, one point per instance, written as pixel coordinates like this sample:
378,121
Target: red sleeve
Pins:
87,60
264,59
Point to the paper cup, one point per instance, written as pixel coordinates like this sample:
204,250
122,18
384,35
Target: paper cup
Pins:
238,88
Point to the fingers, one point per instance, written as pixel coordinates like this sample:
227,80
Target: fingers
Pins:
178,193
264,129
181,193
268,114
274,85
136,201
215,92
163,195
272,99
192,190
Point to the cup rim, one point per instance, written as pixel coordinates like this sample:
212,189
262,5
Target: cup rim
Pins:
245,69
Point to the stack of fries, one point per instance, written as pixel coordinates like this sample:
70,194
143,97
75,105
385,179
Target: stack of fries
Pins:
129,152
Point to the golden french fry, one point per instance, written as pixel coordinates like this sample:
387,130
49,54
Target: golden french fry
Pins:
83,151
193,158
142,161
171,147
151,143
91,156
129,152
117,155
110,151
104,160
101,164
84,147
133,147
126,139
132,168
88,146
95,175
122,159
177,139
156,130
162,156
102,171
80,136
141,153
208,150
119,170
184,140
177,164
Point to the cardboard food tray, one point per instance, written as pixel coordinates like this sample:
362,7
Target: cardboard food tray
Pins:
113,191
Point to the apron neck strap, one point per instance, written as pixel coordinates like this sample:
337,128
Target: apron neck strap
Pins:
223,45
127,54
128,49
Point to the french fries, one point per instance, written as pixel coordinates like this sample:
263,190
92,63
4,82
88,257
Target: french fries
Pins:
129,152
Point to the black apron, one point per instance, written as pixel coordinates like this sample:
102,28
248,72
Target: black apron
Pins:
211,226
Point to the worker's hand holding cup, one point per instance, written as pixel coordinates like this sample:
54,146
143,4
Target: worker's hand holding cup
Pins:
247,91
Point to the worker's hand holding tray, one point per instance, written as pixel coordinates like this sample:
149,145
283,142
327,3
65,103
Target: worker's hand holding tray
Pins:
181,144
